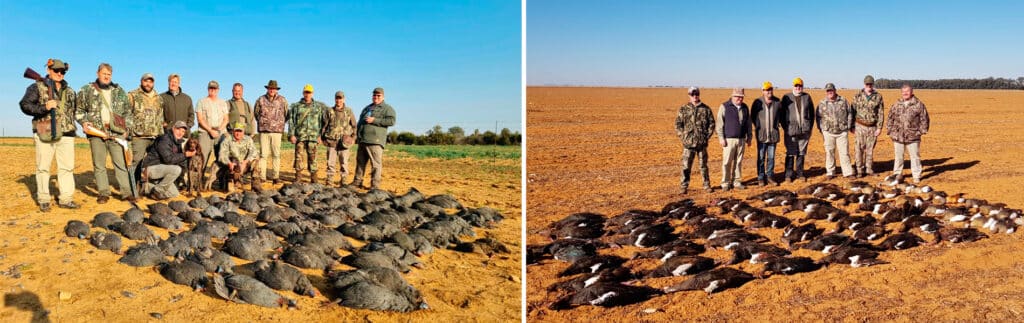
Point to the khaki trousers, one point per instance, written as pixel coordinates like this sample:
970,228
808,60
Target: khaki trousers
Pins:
732,162
100,150
336,153
374,154
914,150
270,148
840,142
64,151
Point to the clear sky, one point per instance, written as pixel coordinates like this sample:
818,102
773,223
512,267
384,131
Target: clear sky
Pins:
453,63
743,43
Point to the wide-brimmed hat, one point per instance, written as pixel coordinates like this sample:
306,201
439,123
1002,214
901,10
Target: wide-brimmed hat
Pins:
272,85
737,92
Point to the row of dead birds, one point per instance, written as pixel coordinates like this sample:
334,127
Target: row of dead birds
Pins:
313,221
602,280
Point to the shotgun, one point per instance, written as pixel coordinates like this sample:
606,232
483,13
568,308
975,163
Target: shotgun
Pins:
31,74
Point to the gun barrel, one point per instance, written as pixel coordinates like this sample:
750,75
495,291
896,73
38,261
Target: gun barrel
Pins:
31,74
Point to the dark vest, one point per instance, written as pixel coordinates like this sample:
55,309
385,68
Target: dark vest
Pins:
731,122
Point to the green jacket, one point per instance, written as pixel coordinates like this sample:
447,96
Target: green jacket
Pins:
375,133
241,111
305,120
89,104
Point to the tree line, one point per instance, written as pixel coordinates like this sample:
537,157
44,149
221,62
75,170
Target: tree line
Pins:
985,83
456,136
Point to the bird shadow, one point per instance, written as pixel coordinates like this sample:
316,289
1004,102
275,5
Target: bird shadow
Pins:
28,301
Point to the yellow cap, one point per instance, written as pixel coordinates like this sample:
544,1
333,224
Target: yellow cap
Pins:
798,81
307,88
766,85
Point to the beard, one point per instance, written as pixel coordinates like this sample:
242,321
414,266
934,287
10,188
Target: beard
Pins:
147,88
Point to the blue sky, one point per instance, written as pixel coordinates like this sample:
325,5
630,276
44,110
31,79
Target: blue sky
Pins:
453,63
743,43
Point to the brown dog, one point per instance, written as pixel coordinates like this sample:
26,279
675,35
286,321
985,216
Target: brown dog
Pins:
195,168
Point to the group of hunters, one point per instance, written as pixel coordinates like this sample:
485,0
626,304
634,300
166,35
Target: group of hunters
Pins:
795,114
153,127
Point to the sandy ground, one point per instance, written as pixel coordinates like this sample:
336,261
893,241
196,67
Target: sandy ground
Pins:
607,150
38,264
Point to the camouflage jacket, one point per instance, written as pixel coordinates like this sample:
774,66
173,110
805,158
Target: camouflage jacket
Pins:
835,117
869,109
241,111
305,120
908,120
271,115
243,149
340,124
694,125
89,103
34,105
148,112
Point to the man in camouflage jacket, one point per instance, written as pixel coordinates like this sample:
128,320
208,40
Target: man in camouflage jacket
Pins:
835,119
339,135
908,121
104,105
271,114
236,156
37,103
694,125
305,129
148,113
869,108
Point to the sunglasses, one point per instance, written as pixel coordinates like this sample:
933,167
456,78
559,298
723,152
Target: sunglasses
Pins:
695,94
304,92
338,98
60,71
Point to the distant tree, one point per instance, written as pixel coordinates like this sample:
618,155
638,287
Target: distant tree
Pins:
457,134
392,137
406,138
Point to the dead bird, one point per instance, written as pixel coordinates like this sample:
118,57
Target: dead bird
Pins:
819,187
924,223
306,257
824,212
826,243
445,200
578,225
682,265
830,193
957,235
606,294
214,229
755,252
900,241
722,238
787,266
135,231
247,290
281,276
871,232
727,205
167,221
798,233
361,259
628,221
649,235
486,246
713,281
757,218
708,226
772,195
683,210
76,229
213,260
133,215
679,247
859,187
805,204
376,288
853,256
178,206
854,222
860,199
393,251
482,217
106,220
106,241
574,285
143,255
572,249
592,264
186,273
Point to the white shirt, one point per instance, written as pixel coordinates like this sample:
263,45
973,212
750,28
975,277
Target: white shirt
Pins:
215,111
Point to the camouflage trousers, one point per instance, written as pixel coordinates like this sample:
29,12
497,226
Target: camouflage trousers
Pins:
688,155
305,156
864,148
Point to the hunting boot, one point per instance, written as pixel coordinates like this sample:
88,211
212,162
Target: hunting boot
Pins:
257,183
312,177
799,167
789,168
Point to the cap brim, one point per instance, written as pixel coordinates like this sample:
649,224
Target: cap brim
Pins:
269,87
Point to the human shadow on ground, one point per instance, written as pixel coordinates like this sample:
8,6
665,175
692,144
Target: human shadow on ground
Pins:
28,301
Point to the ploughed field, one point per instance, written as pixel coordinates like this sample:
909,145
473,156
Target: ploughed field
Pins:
609,150
44,274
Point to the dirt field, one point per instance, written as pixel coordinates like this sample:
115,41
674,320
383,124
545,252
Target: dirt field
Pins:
607,150
38,264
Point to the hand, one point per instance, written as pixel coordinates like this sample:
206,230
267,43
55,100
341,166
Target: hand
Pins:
319,142
51,104
292,139
214,133
370,119
231,165
748,141
86,125
878,132
722,141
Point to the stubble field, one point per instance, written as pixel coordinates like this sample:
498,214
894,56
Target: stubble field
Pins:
608,150
38,264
